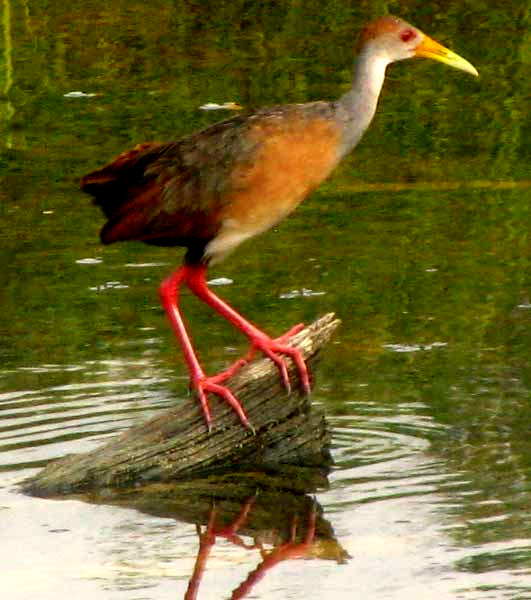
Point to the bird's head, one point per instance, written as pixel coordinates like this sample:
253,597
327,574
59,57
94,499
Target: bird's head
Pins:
392,39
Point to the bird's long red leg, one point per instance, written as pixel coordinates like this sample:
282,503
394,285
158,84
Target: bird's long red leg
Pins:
169,292
195,276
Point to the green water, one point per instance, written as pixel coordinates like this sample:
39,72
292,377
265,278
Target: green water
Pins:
419,243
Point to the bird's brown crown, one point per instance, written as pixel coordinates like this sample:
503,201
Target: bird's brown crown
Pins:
379,27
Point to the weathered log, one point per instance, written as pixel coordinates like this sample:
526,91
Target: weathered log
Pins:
176,445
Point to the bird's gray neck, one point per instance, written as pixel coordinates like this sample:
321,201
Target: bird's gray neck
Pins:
356,108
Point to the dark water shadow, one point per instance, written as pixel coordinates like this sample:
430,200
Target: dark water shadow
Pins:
273,516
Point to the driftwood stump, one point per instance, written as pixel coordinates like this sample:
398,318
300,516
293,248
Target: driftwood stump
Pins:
176,445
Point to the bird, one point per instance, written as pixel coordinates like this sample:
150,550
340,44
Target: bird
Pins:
213,189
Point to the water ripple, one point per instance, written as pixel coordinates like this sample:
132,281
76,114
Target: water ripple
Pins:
37,425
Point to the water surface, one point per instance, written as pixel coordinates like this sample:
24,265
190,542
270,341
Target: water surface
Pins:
419,243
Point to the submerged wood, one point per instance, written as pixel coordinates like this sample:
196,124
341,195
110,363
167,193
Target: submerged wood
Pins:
176,445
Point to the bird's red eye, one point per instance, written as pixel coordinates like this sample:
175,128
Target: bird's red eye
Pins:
407,35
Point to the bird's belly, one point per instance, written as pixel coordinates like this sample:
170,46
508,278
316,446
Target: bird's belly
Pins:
286,168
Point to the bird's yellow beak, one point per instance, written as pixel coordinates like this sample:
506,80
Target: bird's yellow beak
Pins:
432,49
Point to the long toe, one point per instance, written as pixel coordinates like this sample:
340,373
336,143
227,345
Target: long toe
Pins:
211,385
204,404
290,333
280,364
274,350
301,366
228,373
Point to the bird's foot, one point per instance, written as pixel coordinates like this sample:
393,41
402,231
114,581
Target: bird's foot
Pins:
274,348
212,385
241,362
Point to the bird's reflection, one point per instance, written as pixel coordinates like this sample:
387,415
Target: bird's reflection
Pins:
277,535
295,546
272,516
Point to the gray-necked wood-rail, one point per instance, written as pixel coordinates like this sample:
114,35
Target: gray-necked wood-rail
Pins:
213,189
